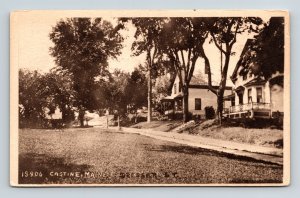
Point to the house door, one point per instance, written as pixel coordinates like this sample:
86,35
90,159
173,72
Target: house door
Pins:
240,95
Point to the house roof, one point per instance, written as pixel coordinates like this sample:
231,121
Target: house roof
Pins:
206,87
229,97
239,89
173,97
277,79
246,48
256,81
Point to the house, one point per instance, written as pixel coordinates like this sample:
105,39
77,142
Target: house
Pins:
254,96
199,97
54,119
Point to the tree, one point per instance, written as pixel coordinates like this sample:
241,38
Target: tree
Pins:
124,93
32,102
137,89
58,89
40,93
161,87
115,92
82,47
223,32
165,73
268,48
182,40
147,41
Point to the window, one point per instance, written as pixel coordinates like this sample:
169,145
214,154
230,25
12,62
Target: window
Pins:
259,94
249,95
180,88
245,77
175,88
197,103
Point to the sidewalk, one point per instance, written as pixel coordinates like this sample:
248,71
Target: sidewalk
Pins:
261,153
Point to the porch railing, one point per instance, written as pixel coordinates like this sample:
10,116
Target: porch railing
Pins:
247,107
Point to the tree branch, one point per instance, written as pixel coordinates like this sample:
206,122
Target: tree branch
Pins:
180,65
149,59
182,57
154,55
207,65
235,33
173,57
188,60
191,71
186,69
215,41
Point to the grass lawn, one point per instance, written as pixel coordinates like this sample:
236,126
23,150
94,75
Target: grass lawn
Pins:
94,155
263,137
158,125
258,136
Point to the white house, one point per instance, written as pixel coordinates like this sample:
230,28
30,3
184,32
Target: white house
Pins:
254,96
199,98
56,115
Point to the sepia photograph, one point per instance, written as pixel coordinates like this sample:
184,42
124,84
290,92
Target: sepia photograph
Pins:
149,98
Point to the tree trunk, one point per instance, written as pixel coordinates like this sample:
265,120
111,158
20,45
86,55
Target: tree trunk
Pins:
222,86
81,117
149,116
119,127
185,91
220,106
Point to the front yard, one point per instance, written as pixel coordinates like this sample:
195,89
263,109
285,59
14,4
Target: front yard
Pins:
158,125
263,137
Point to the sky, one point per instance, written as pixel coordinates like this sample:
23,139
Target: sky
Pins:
34,44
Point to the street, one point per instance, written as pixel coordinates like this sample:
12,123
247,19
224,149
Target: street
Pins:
94,155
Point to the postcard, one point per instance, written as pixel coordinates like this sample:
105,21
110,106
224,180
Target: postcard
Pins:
149,98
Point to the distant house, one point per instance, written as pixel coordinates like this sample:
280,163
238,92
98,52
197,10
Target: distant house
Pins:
254,96
199,98
56,115
54,119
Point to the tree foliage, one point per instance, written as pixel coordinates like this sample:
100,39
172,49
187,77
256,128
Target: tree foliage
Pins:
266,56
82,47
32,102
137,89
115,92
57,87
124,92
41,94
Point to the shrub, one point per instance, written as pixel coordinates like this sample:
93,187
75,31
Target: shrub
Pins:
196,118
163,118
278,119
209,112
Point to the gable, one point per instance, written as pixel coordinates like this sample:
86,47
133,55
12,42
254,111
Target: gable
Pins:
242,61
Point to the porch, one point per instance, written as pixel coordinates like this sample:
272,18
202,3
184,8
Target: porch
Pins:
249,110
171,105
